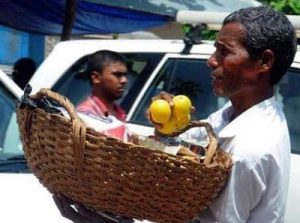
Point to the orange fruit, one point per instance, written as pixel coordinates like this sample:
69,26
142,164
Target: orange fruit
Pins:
160,111
183,121
169,127
182,106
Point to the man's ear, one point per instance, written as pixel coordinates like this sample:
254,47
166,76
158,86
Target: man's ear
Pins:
96,77
266,61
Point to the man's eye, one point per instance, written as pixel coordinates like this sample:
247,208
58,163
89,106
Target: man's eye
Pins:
119,74
222,51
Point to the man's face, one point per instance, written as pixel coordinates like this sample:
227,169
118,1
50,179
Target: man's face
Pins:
112,81
234,73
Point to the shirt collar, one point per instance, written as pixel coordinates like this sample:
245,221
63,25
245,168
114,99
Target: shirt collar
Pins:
118,111
252,115
100,104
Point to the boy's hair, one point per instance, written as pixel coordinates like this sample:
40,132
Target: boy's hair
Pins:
98,60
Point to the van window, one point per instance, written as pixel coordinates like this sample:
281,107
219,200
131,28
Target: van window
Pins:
190,77
75,84
288,94
9,135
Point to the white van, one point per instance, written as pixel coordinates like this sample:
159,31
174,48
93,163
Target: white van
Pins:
154,65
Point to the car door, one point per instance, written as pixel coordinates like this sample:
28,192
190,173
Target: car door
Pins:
288,94
10,145
23,198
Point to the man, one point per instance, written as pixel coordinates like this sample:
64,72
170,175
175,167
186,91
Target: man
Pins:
107,72
254,49
23,70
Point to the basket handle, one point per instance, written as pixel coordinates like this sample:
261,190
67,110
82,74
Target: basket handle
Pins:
212,147
63,101
78,126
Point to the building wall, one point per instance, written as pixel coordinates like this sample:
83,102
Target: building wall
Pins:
16,44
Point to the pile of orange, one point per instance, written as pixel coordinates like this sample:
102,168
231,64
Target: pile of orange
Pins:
171,119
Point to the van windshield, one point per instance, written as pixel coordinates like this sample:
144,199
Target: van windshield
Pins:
140,66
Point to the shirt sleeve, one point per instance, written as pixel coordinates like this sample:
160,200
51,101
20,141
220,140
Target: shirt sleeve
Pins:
241,194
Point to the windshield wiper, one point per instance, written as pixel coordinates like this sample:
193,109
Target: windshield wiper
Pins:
14,164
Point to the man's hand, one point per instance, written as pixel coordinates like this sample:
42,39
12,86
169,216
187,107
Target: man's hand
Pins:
79,214
165,96
169,98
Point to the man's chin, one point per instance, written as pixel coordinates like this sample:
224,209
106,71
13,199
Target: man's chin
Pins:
117,97
219,93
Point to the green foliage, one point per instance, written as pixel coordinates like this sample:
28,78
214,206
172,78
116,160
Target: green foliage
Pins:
209,34
291,7
206,34
186,28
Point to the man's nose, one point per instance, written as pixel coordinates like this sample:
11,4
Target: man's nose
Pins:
123,79
212,61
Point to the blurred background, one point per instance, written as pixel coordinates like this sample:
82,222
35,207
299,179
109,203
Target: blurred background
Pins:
31,28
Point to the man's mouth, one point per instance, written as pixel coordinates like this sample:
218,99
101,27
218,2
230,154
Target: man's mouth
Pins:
121,89
217,80
214,76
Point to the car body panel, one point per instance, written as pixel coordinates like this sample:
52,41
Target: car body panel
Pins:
24,199
10,84
292,209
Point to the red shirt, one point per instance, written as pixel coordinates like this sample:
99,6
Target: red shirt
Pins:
94,105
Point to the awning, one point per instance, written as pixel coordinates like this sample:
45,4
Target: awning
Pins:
104,16
47,16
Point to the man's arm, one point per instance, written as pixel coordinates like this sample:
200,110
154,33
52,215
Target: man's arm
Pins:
79,214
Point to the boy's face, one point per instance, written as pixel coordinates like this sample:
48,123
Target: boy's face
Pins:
112,80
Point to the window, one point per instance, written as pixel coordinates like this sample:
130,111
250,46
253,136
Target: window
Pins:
182,76
75,84
288,93
9,135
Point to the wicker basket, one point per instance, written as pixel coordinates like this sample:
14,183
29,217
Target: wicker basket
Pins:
108,174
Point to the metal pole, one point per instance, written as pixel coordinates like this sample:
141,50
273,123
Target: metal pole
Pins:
70,15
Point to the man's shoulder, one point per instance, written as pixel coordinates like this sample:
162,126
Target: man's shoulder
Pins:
85,106
83,103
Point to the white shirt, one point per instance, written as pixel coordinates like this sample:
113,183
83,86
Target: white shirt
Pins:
259,142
